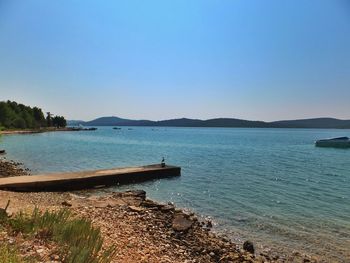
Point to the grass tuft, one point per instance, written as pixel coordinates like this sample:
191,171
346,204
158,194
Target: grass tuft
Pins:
79,241
9,254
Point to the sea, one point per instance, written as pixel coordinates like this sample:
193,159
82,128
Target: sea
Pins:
270,186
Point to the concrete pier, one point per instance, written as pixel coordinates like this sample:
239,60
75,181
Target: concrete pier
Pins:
87,179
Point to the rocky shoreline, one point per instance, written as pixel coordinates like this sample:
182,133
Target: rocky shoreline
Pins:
10,168
142,230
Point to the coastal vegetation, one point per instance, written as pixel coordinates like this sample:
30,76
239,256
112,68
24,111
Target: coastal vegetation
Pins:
9,254
14,115
77,240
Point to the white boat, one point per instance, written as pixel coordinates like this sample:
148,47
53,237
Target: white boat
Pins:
340,142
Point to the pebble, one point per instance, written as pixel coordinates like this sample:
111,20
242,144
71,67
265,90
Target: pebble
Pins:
143,231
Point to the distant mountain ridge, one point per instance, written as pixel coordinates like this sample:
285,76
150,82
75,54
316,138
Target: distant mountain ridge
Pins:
219,122
315,123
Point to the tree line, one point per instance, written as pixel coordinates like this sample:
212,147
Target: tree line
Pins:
19,116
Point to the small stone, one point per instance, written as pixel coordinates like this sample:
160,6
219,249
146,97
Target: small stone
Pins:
209,224
167,208
40,250
181,223
136,208
66,203
248,246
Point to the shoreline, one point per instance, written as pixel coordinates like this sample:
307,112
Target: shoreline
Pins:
158,231
43,130
141,229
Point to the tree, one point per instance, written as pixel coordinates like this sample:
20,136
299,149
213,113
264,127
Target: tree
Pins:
39,118
59,122
19,123
14,115
49,119
28,118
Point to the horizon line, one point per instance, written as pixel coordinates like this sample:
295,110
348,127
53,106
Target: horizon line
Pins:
137,119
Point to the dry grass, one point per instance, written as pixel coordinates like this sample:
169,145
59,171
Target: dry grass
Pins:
78,240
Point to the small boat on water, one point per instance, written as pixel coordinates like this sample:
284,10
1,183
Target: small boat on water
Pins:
339,142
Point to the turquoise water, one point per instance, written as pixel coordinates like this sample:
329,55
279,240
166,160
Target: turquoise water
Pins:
271,186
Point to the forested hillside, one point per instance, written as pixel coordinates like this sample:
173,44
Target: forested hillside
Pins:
18,116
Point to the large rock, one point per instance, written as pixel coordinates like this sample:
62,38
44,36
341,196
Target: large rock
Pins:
249,247
167,208
151,204
134,198
136,208
135,193
181,222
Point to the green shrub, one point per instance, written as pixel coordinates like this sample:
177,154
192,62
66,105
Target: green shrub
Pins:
9,254
3,217
79,241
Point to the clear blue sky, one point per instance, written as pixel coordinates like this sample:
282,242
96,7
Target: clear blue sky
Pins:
248,59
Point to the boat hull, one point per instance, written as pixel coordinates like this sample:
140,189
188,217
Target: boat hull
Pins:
333,144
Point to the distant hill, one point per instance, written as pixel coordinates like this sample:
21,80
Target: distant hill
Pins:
219,122
227,122
112,121
314,123
106,121
184,122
